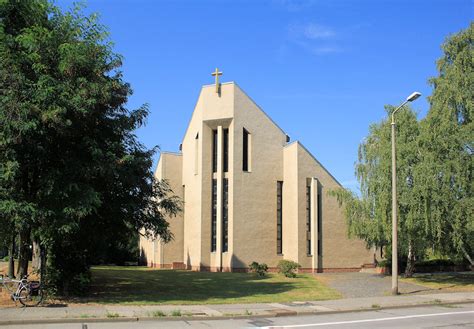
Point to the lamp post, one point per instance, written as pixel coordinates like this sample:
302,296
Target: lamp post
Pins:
410,98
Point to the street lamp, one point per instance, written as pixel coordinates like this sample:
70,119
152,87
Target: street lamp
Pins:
410,98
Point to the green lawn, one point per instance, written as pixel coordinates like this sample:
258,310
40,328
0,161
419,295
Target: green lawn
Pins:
461,281
141,285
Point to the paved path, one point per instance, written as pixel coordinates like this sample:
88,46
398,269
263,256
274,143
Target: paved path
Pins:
123,313
438,316
355,284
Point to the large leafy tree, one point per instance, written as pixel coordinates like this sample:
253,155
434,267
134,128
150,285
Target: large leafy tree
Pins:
447,142
72,171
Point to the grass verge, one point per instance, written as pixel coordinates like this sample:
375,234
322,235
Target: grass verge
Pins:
459,281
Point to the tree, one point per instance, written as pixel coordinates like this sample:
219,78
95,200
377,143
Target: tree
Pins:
72,171
434,168
447,142
369,217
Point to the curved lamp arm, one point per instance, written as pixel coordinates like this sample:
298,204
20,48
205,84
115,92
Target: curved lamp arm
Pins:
410,98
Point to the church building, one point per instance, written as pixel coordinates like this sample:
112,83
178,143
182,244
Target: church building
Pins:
250,194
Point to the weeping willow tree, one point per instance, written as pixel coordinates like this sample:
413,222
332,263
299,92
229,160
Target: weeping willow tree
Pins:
369,216
434,168
447,141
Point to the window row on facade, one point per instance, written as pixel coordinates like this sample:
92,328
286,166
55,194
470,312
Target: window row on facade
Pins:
246,150
279,219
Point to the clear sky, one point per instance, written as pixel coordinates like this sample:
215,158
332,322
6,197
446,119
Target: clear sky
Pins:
323,70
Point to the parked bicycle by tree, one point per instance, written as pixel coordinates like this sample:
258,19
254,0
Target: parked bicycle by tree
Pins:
27,292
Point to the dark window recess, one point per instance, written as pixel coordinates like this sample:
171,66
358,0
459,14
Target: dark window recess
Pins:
214,216
214,151
225,215
245,151
184,198
320,224
226,150
196,154
308,220
279,217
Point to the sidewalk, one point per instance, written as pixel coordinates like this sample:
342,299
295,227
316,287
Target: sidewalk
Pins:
99,313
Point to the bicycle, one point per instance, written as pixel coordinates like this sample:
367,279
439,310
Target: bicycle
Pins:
28,293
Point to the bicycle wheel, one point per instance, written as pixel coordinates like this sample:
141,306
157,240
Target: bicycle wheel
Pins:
28,297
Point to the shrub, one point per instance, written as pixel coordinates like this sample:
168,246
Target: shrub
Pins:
437,262
260,269
77,285
384,263
424,263
157,314
176,313
288,268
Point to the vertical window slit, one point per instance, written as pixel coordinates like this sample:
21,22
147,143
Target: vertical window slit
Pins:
214,216
245,150
279,217
196,154
225,215
214,151
226,150
320,224
308,219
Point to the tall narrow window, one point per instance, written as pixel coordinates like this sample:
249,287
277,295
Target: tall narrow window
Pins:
245,150
214,151
214,216
279,217
226,150
308,219
196,154
184,198
320,224
225,215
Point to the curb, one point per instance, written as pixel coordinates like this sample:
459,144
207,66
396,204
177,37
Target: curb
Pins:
195,318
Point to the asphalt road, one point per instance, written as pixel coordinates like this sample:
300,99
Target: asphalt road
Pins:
452,316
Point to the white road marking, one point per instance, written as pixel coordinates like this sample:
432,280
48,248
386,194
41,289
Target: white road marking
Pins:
367,320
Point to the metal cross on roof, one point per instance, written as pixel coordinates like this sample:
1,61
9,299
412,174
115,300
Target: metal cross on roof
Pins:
216,74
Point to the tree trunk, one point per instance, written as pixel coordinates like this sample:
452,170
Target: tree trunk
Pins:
410,261
24,253
467,256
42,263
11,258
65,288
36,258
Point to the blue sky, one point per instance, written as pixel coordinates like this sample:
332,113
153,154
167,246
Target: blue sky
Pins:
323,70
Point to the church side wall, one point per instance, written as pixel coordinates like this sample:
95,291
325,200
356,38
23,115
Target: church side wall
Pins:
338,251
149,249
173,250
146,251
254,214
192,179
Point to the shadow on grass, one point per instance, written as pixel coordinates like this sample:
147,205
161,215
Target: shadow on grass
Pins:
54,305
448,279
132,284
